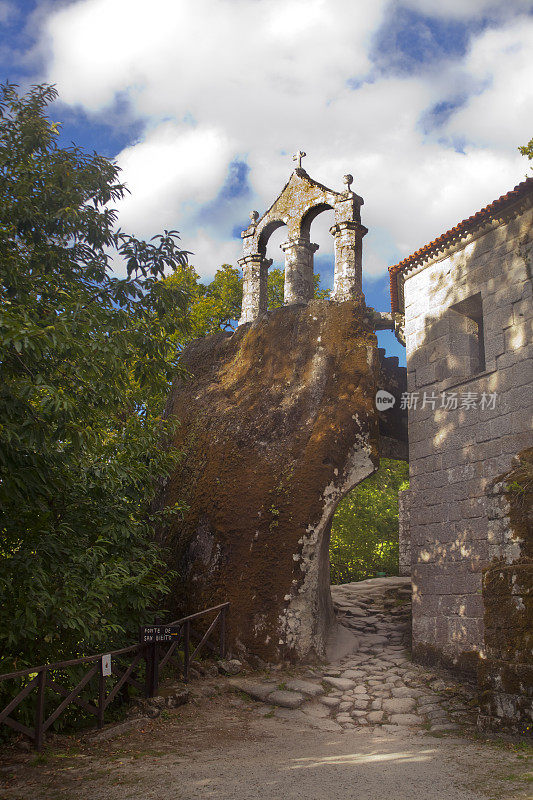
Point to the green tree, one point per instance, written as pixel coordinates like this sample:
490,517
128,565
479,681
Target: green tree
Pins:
212,307
364,531
527,149
216,306
86,358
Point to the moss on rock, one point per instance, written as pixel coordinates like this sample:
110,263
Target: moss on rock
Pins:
277,422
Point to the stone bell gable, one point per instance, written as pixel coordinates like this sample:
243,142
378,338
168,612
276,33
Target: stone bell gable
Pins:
301,200
279,422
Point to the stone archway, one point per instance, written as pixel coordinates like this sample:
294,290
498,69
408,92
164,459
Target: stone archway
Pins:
277,425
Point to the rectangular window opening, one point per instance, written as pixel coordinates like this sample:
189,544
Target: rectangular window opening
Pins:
471,311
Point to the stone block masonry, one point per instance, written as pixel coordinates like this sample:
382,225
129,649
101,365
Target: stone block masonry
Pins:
469,325
506,673
404,533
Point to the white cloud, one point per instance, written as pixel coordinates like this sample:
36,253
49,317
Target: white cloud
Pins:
209,254
502,113
173,165
219,80
7,11
201,55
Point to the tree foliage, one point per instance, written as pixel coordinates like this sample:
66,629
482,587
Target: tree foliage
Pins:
276,280
216,306
85,359
212,307
527,150
364,531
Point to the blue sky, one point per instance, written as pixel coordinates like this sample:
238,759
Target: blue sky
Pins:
202,105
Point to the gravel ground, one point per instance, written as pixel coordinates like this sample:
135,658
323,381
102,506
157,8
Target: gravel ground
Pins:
222,748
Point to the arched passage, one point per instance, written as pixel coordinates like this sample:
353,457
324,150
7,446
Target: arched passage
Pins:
364,540
296,259
278,424
276,266
317,224
309,217
266,234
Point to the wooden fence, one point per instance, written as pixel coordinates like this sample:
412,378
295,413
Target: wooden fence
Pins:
124,667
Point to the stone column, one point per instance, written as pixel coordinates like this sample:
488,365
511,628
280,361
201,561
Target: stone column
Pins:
348,282
298,287
254,286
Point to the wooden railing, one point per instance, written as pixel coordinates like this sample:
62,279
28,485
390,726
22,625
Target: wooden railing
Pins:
124,666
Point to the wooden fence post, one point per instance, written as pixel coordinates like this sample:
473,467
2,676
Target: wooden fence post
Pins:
39,711
152,669
155,669
101,697
147,670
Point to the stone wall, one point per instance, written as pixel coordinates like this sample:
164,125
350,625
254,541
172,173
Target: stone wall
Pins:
505,674
475,292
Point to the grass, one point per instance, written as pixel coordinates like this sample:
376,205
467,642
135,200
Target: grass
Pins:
527,777
526,746
40,758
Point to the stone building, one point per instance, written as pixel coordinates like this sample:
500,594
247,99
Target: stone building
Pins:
467,300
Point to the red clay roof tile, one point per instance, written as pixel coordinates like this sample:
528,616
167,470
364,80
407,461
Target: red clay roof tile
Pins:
459,230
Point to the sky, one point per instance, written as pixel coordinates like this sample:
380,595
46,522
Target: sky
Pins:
202,104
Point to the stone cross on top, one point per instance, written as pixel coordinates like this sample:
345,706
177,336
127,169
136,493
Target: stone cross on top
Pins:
298,157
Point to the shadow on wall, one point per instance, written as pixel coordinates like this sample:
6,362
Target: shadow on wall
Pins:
469,415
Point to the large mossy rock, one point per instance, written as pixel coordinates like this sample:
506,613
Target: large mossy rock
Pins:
277,424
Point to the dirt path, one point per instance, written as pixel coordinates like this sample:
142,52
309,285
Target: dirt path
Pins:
217,748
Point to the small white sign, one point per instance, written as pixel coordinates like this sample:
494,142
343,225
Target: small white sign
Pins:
106,666
384,400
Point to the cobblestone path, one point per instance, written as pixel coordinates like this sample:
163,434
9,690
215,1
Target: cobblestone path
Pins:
377,685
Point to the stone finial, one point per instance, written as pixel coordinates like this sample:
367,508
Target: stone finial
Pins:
348,180
254,216
298,157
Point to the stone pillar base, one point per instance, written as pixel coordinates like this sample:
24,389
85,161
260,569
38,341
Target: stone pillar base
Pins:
254,290
348,280
299,286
